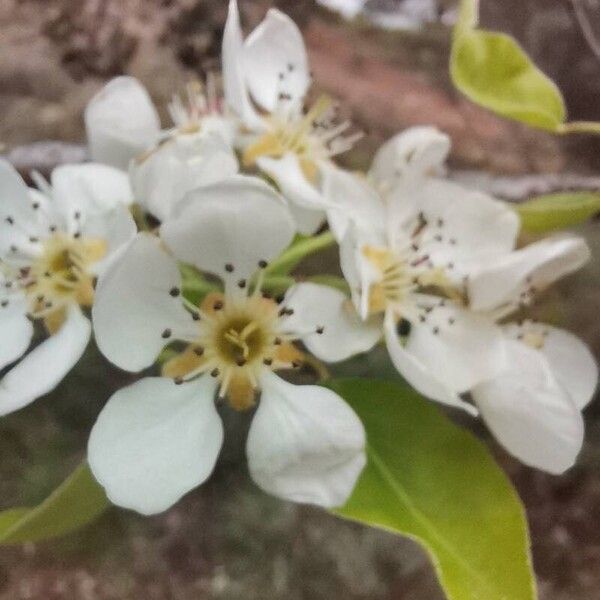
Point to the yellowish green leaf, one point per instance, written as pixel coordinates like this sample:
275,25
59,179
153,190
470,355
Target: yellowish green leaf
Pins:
437,484
557,211
76,502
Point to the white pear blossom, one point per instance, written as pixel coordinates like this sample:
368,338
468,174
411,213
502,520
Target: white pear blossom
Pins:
404,229
53,243
266,78
160,437
408,239
123,130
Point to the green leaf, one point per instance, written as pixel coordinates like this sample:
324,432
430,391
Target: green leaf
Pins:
436,483
76,502
557,211
492,69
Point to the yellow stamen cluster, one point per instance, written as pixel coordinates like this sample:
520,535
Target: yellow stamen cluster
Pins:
237,339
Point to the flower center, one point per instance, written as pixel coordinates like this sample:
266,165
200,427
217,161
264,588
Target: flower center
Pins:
60,275
236,339
397,279
199,101
311,137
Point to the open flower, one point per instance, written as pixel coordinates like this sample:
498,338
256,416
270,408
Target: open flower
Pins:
160,437
123,130
408,240
53,243
266,78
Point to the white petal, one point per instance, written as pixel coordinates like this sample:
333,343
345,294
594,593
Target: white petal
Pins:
134,306
501,281
462,348
121,122
418,374
178,166
305,444
308,221
16,328
351,200
530,414
154,441
416,152
116,228
345,334
18,220
463,226
40,371
237,222
291,181
234,84
571,362
89,189
275,62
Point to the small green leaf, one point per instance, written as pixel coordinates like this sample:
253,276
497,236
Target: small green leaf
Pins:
557,211
436,483
76,502
492,70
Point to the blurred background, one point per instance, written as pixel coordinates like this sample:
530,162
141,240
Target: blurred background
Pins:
387,62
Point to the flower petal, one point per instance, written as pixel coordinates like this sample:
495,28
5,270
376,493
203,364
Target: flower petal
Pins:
154,441
16,328
415,152
275,62
229,227
178,166
137,305
500,282
418,374
462,348
458,230
121,122
308,221
344,334
40,371
571,362
116,228
89,189
234,84
351,199
305,444
530,414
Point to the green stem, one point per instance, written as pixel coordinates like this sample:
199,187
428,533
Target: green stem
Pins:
592,127
468,15
298,251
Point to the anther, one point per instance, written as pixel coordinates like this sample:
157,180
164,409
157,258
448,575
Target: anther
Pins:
198,350
13,249
229,268
77,235
277,341
286,312
451,320
262,264
174,291
35,205
436,330
195,316
77,215
242,283
422,318
320,329
240,362
52,228
178,380
296,364
403,328
440,222
218,305
214,372
4,303
438,238
34,240
166,334
10,220
268,361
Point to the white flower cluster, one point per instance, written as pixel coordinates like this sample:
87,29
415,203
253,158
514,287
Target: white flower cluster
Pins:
432,268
